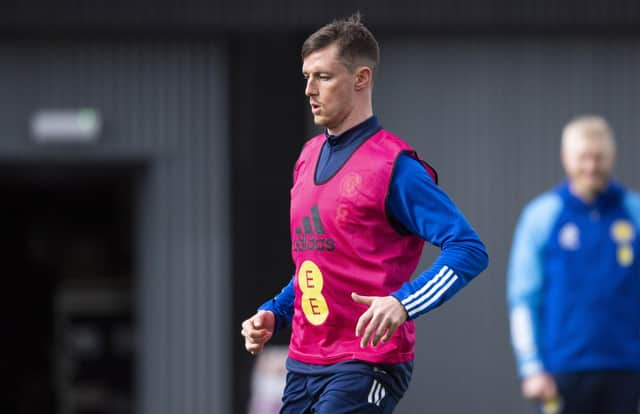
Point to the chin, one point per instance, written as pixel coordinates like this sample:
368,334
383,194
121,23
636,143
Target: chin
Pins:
318,120
596,186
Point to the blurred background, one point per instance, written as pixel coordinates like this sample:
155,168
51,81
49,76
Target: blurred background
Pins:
146,151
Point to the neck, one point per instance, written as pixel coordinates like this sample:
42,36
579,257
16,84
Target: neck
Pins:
587,195
359,114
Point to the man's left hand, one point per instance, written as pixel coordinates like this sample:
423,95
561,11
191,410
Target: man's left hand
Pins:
381,320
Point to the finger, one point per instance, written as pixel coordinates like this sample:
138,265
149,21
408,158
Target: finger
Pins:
258,334
251,333
363,321
382,332
254,348
244,332
257,341
247,326
382,328
364,300
365,337
390,331
255,335
257,321
369,330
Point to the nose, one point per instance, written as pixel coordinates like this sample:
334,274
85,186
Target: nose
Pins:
591,165
310,89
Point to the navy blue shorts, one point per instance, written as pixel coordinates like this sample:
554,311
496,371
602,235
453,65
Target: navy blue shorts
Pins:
599,392
354,387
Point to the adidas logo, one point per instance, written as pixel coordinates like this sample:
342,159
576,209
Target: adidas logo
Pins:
306,239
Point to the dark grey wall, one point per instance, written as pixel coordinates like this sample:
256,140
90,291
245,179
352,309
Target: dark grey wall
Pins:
487,113
286,15
165,104
267,131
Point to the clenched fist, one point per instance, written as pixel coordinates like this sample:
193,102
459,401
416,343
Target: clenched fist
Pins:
257,330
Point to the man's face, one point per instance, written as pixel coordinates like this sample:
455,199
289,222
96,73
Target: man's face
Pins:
588,162
330,87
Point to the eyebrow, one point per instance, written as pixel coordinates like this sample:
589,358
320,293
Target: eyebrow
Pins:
318,72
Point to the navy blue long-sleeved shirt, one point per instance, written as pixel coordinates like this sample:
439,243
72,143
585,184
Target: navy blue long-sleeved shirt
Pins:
415,205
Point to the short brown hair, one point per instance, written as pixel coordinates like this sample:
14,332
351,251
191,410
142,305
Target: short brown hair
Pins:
356,44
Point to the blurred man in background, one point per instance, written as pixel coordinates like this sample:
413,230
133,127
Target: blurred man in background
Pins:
574,284
362,205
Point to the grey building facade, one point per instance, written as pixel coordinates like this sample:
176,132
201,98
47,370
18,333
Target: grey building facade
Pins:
203,115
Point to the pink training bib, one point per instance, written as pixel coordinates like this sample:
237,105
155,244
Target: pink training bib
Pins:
342,242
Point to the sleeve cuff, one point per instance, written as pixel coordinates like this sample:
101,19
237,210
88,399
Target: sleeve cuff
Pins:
268,306
399,297
530,368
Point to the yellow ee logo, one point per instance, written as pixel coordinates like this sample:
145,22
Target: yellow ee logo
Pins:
310,282
622,231
625,255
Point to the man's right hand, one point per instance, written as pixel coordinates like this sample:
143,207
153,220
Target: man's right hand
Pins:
257,330
540,386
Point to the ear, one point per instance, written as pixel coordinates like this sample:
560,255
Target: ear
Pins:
564,158
364,76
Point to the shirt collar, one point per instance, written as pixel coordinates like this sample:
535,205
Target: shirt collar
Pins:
366,127
610,194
